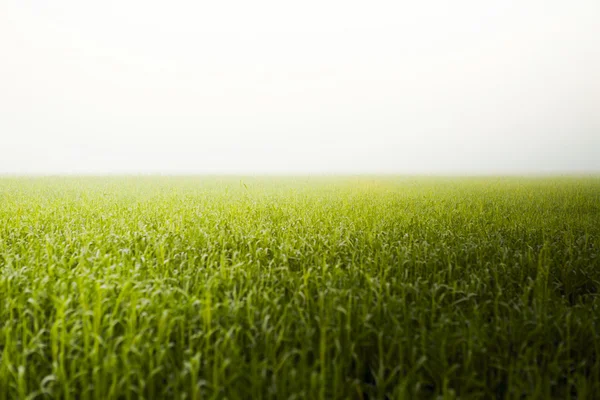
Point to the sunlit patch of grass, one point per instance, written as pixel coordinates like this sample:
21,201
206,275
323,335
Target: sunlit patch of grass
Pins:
299,288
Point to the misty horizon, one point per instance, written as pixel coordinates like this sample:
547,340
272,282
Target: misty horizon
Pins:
325,88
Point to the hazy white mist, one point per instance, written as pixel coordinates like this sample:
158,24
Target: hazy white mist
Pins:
299,87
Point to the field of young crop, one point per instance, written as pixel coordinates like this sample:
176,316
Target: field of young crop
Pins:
299,288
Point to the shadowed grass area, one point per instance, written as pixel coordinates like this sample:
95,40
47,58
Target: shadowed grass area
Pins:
321,288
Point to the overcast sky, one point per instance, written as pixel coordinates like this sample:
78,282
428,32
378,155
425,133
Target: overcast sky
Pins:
311,86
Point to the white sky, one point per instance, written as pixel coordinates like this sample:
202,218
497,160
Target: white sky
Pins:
311,86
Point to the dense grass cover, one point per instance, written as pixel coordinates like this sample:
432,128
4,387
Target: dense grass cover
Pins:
299,288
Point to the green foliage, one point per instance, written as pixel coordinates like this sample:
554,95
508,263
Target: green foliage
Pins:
292,288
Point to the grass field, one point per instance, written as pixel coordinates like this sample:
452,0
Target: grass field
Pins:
293,288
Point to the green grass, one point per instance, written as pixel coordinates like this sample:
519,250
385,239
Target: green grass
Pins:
292,288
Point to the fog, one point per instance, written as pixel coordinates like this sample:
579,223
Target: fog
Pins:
252,87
